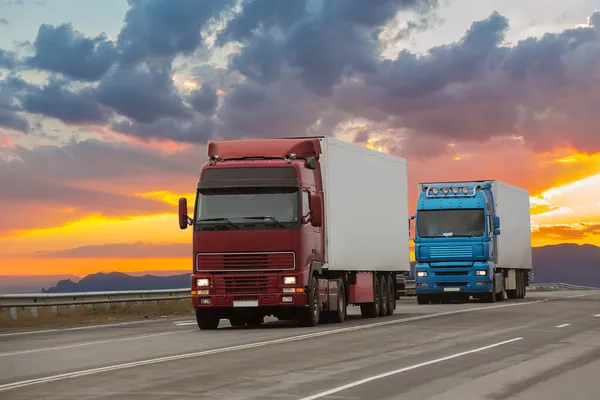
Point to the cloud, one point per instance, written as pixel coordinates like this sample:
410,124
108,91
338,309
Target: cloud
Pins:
124,250
165,28
9,108
3,21
59,184
568,232
64,50
144,93
56,100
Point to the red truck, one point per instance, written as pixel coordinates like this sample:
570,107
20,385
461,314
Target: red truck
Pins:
298,229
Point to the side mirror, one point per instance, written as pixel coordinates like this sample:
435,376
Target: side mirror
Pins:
184,220
316,210
497,231
496,222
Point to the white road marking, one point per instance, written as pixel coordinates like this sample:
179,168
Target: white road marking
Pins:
69,346
562,326
597,315
185,323
80,328
579,295
405,369
76,374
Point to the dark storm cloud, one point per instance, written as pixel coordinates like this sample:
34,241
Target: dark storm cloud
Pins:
197,131
204,100
144,93
9,108
8,59
63,50
264,14
55,100
166,28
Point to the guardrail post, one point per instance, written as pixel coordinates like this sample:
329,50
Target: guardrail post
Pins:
14,314
54,310
73,307
34,312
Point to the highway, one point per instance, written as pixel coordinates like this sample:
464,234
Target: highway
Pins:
546,346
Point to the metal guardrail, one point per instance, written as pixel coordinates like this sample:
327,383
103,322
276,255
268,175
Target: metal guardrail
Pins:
78,298
566,286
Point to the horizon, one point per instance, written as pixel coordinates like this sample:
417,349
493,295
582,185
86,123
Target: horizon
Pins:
104,123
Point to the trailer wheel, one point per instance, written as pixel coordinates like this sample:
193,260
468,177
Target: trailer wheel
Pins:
391,295
207,319
383,297
310,316
339,315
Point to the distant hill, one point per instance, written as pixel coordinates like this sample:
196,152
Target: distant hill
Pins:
114,281
30,283
568,263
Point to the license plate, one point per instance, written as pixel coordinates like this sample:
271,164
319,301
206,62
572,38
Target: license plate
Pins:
451,289
245,303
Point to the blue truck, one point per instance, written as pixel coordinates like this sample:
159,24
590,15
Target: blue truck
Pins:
472,239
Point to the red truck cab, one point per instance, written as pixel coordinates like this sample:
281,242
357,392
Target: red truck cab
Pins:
257,232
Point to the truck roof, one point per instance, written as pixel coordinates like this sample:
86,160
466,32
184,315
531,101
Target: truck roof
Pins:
264,148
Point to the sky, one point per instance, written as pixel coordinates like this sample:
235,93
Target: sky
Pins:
106,109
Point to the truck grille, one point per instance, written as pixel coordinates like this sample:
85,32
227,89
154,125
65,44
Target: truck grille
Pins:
451,273
225,284
451,252
284,261
451,284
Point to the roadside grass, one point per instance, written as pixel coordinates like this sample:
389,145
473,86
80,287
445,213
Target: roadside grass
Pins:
81,315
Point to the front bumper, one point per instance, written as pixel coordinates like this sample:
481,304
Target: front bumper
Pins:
433,286
241,300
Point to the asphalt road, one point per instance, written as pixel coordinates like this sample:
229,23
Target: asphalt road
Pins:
546,346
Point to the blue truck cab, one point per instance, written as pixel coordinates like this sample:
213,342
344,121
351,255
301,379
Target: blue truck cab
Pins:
455,240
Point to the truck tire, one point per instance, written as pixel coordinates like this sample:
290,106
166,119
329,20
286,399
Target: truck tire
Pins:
207,319
514,294
371,310
338,316
310,316
383,295
391,295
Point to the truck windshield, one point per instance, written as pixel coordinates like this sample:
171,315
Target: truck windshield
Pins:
249,205
463,222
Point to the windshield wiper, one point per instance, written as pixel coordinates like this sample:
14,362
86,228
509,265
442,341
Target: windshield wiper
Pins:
464,235
220,219
267,217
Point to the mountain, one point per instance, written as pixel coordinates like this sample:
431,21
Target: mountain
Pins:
30,284
568,263
116,281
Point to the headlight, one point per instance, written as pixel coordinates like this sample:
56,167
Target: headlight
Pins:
289,280
422,274
203,282
481,272
455,190
435,191
465,190
445,190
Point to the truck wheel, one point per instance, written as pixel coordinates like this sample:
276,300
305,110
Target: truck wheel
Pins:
339,315
391,296
491,297
383,296
371,310
207,319
523,284
310,316
421,299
